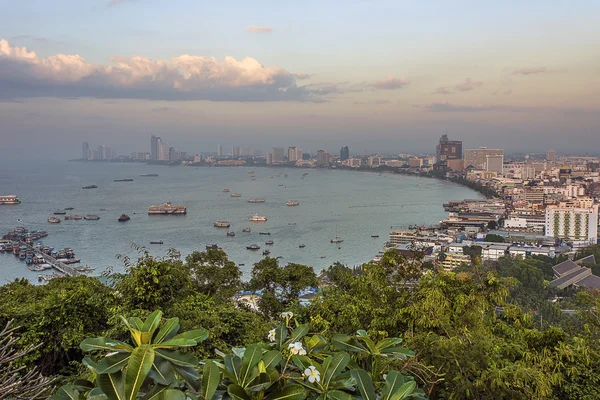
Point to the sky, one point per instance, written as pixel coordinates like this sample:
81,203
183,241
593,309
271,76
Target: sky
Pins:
377,76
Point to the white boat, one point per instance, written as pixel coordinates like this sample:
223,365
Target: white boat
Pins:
256,201
258,218
236,195
54,220
167,208
10,199
222,224
292,203
336,240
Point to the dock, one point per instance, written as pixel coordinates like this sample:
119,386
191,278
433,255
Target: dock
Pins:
57,265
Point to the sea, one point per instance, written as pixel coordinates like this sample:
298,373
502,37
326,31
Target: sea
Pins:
351,205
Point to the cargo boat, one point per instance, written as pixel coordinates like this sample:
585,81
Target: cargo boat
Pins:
292,203
258,218
256,201
54,220
91,217
10,199
167,209
222,224
90,187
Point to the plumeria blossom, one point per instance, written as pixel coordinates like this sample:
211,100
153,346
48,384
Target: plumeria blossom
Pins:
271,336
313,374
297,349
287,314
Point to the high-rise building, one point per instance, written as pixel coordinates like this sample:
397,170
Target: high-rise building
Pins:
235,151
269,158
322,158
551,155
344,153
477,158
102,152
292,154
448,150
163,150
277,155
173,155
577,225
219,150
495,164
85,151
154,147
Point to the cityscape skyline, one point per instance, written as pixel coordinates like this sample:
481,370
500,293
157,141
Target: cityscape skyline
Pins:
384,75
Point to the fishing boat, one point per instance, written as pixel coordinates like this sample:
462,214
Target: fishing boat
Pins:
10,199
258,218
123,180
337,239
90,187
212,247
73,217
157,242
291,223
222,224
147,175
60,212
269,242
292,203
266,253
256,201
231,233
91,217
69,208
124,218
54,220
253,247
302,246
374,236
246,230
236,195
264,233
225,190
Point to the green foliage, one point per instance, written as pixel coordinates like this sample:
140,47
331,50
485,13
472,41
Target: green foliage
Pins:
491,237
214,273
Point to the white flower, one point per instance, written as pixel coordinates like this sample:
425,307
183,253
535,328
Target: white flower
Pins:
312,374
287,314
297,349
271,336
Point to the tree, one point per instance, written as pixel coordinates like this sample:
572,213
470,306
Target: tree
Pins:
492,225
492,237
214,273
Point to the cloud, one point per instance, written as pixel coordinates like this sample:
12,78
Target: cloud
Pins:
259,29
302,75
390,83
467,85
376,102
530,71
161,109
38,39
447,107
24,74
113,3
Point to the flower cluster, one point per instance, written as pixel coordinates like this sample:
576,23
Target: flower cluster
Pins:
271,335
297,349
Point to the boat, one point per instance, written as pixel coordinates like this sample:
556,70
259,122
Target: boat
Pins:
292,203
73,217
158,242
231,233
90,187
266,253
222,224
374,236
54,220
22,256
246,230
302,246
304,174
69,208
60,212
212,247
337,239
258,218
236,195
145,175
253,247
123,180
91,217
225,190
86,268
124,218
269,242
291,223
256,201
167,209
264,233
9,199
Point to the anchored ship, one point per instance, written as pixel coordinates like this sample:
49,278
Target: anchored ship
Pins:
258,218
292,203
167,209
10,199
222,224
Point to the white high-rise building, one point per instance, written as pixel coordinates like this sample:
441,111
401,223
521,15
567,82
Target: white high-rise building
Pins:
495,164
163,150
551,155
219,150
292,154
277,154
85,151
577,225
478,157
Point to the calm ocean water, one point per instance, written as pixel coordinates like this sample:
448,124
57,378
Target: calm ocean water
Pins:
355,205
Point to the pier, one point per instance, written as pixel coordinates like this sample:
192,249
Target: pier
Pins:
57,265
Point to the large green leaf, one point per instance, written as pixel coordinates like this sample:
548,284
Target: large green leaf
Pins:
399,352
178,358
252,356
170,327
264,381
162,372
154,392
302,362
385,343
332,366
175,343
190,376
345,342
315,342
370,343
112,363
393,382
271,358
136,323
364,384
236,392
298,333
112,385
169,394
139,366
280,335
404,391
103,343
234,367
152,322
198,335
96,394
66,392
211,378
83,385
339,395
290,392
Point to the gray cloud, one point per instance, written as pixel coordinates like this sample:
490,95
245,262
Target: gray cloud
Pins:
376,102
24,74
530,71
259,29
465,86
449,108
302,75
390,83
